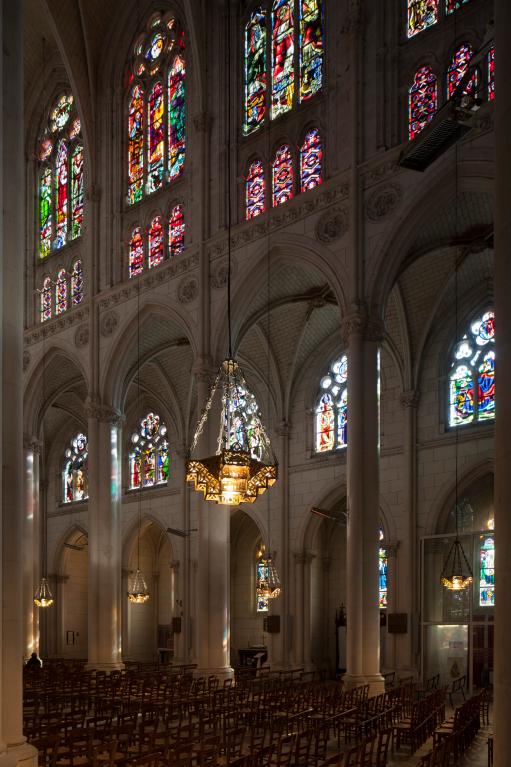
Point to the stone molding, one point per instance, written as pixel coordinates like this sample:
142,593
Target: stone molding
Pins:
188,290
82,336
410,398
360,323
97,411
32,444
333,224
109,324
67,320
383,201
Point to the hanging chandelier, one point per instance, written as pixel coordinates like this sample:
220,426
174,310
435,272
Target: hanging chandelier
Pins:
243,467
269,587
43,596
139,593
457,573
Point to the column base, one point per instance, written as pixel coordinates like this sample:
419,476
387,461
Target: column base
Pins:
375,681
22,754
105,666
225,672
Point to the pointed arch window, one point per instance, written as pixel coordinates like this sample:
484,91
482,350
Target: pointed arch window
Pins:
156,108
423,101
472,376
487,571
383,572
331,417
270,75
491,74
75,474
262,577
311,160
176,231
61,177
61,292
77,284
255,190
46,300
422,14
283,176
457,69
149,455
136,262
156,244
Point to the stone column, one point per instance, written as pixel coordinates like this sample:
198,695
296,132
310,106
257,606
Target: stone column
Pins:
105,622
361,335
177,611
13,747
31,545
307,608
502,674
298,658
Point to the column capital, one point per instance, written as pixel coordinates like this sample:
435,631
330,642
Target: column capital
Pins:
391,548
174,565
204,371
410,398
303,557
31,443
284,428
361,323
96,410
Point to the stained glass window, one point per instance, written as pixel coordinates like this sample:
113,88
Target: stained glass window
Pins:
61,292
282,176
155,138
136,145
61,180
311,48
61,176
255,70
77,284
177,231
331,422
454,5
472,377
421,15
156,245
136,264
45,212
383,571
282,60
255,190
262,575
77,191
487,571
75,474
46,300
457,70
422,98
149,455
177,135
311,161
491,74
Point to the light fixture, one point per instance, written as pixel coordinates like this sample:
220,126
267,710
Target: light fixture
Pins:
269,586
242,468
43,596
139,593
457,573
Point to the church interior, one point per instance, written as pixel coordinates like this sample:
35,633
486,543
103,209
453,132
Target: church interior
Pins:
255,487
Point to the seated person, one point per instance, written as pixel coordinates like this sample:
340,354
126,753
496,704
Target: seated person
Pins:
34,661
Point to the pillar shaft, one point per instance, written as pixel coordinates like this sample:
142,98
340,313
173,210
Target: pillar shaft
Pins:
502,675
105,572
31,546
363,616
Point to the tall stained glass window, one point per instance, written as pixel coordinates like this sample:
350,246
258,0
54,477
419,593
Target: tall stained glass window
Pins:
155,138
421,15
77,284
383,572
491,74
75,473
282,176
472,377
487,571
311,161
61,183
331,418
311,48
156,244
149,454
454,5
422,100
46,300
61,292
176,231
136,259
255,190
255,70
457,69
156,108
262,576
282,59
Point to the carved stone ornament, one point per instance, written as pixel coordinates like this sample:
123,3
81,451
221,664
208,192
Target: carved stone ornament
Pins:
220,272
82,336
188,290
332,225
410,398
383,201
99,412
360,323
26,360
109,323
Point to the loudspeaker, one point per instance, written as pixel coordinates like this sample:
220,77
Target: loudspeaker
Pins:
176,625
271,624
397,623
